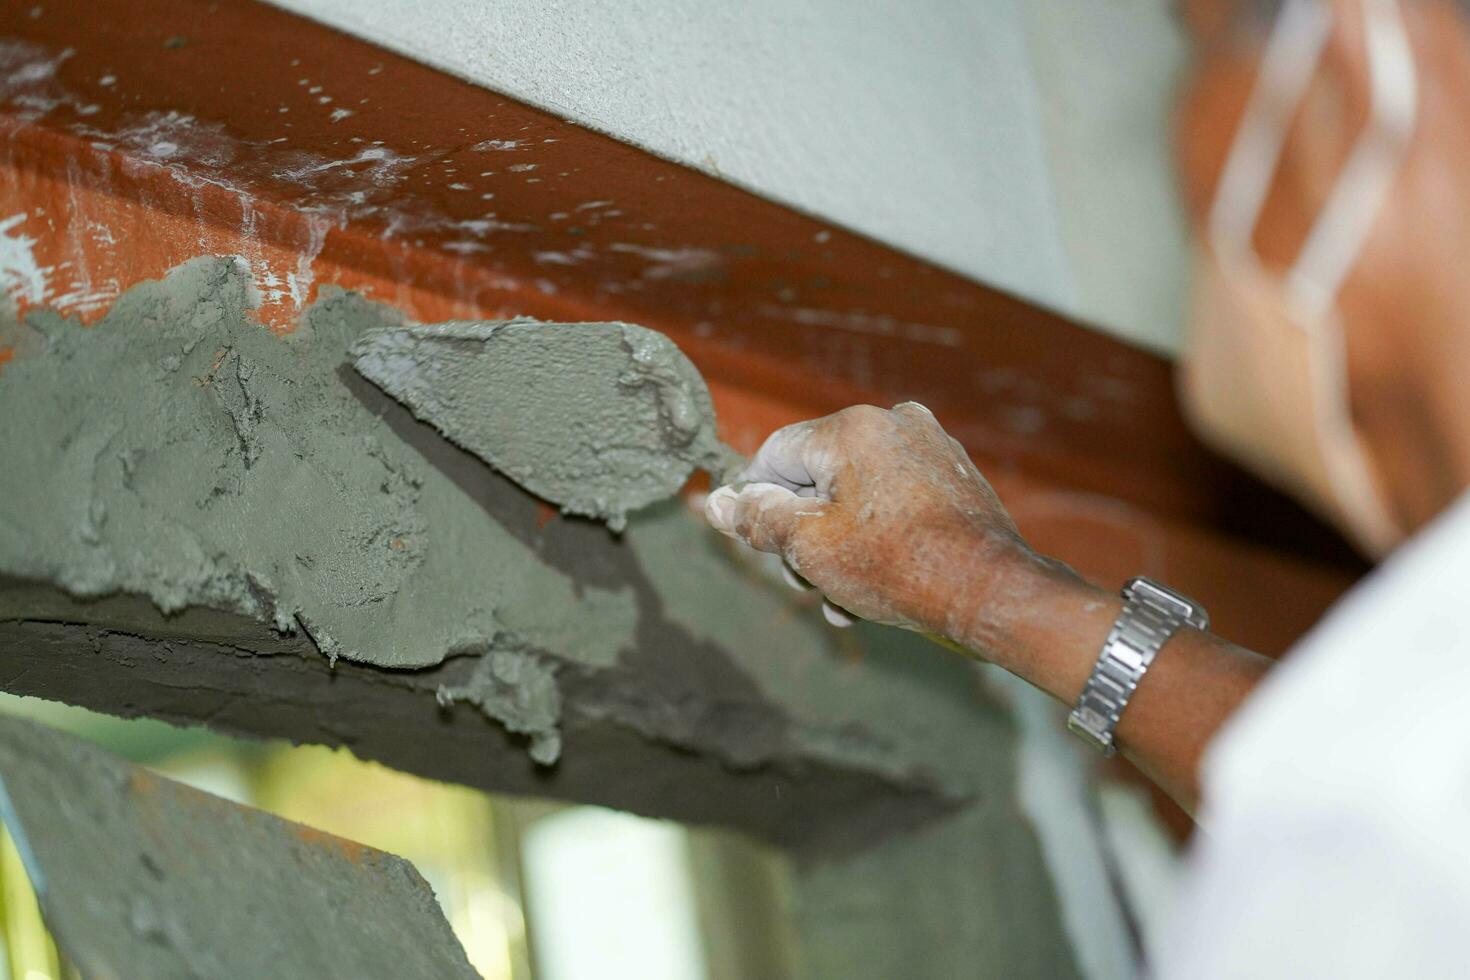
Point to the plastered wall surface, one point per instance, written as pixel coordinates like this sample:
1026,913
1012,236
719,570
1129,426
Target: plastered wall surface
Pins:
1021,143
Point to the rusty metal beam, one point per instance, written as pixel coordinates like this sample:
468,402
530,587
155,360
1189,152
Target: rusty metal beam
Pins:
180,128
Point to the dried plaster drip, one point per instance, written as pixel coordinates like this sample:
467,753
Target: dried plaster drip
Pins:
180,451
598,418
517,689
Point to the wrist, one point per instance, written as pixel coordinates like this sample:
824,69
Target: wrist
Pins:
1036,618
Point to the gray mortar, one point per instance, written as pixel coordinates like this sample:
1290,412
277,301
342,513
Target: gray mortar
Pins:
598,418
169,475
519,689
179,451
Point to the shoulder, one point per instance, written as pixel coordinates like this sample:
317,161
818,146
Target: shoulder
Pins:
1372,698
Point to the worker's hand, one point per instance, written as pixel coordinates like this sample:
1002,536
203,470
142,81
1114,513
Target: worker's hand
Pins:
880,510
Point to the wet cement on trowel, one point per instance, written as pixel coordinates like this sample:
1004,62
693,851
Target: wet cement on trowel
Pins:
598,418
178,450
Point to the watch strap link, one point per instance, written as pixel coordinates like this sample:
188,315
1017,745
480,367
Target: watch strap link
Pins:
1151,615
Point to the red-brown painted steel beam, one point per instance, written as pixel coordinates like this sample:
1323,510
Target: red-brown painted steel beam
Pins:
135,134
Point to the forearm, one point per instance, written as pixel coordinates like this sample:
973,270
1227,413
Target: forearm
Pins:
1047,626
887,516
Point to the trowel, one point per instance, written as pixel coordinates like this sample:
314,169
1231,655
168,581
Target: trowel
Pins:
598,418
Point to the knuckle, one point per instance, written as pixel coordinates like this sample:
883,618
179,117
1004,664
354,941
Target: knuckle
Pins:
857,421
747,521
919,419
753,533
862,413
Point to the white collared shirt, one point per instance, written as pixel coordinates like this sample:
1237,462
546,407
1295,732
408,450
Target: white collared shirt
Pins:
1336,818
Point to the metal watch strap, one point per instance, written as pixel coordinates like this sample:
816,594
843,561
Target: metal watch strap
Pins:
1151,615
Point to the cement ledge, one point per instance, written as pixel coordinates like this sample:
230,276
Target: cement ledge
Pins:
272,687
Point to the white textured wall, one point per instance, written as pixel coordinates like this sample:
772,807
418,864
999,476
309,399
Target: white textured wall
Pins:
1021,142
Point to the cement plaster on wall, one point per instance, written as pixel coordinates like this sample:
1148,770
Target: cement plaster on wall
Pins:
178,450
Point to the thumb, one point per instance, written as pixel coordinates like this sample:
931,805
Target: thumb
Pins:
763,515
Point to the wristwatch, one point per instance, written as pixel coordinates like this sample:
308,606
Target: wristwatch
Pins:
1151,615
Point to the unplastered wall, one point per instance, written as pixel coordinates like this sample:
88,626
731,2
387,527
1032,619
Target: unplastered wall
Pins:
1020,142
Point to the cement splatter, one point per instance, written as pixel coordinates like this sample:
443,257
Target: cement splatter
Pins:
598,418
20,275
876,324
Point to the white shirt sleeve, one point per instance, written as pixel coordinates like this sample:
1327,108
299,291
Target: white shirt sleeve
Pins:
1320,895
1336,827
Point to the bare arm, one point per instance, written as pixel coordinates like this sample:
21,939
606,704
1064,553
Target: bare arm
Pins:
886,515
